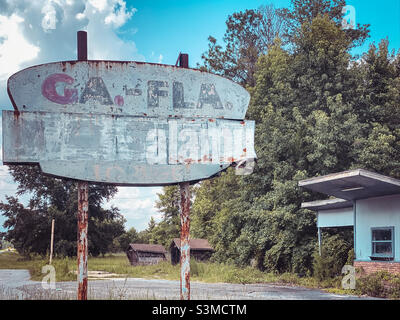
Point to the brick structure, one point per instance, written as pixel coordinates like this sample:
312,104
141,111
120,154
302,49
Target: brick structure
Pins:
375,266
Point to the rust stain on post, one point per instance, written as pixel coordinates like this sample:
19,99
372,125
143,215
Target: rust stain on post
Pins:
185,247
83,215
83,201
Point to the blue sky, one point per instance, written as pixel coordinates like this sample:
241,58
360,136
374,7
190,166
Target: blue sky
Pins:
384,18
167,27
147,30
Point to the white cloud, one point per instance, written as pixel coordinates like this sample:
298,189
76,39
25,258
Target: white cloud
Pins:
80,16
14,48
34,32
120,14
136,205
99,5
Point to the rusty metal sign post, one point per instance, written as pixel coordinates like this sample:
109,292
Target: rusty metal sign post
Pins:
185,221
185,246
183,61
126,123
82,245
83,203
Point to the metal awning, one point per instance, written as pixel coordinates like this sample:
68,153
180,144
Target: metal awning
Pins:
353,184
327,204
332,212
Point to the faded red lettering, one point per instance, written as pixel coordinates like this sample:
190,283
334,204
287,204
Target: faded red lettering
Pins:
49,89
119,100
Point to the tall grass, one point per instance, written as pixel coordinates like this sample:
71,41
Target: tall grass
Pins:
119,266
10,260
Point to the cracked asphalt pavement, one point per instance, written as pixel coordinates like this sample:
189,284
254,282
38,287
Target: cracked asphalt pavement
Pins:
16,284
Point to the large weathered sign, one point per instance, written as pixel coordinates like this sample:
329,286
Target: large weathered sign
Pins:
126,88
126,123
125,149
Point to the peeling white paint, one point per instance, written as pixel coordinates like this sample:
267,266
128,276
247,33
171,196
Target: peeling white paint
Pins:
125,150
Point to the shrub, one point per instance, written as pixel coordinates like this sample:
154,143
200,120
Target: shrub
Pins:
64,248
380,284
334,255
350,257
196,268
370,285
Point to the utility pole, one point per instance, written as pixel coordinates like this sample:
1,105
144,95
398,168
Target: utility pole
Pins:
51,241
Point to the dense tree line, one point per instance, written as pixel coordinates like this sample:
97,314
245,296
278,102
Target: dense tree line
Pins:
318,110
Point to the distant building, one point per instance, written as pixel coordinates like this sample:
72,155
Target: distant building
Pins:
370,204
140,253
200,250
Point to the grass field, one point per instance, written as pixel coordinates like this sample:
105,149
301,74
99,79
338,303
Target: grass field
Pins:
118,264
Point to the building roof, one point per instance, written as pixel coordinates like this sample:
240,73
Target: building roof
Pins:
327,204
144,247
195,244
353,184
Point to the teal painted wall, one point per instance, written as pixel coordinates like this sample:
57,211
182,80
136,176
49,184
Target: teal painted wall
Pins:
376,212
335,218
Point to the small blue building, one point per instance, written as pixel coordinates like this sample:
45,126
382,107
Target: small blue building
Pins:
370,204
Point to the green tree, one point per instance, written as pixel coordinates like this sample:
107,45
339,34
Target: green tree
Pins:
29,227
210,196
125,239
378,107
168,205
311,133
249,34
303,12
169,227
304,105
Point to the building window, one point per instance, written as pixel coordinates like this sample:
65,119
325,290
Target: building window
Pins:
382,243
